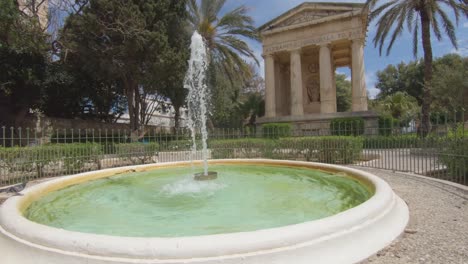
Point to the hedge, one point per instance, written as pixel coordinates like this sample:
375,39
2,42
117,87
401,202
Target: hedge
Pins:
73,156
349,126
179,145
455,157
137,153
392,142
241,148
276,130
386,125
328,149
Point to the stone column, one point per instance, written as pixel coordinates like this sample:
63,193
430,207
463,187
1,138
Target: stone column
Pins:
327,93
270,100
359,91
297,108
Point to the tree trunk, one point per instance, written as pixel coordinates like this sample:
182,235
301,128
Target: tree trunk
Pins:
176,117
133,101
427,98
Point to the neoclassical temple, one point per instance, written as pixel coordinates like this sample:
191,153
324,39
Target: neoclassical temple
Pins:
302,49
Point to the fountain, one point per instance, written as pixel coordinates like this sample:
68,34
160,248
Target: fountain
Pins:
257,211
197,100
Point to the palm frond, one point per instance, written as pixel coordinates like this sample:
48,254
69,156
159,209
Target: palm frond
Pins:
392,15
194,15
415,36
448,26
225,34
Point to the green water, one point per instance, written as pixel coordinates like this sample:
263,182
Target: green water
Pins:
168,203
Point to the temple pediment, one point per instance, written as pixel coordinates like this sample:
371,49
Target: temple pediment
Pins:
312,13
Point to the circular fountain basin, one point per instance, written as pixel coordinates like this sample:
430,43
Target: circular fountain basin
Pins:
275,212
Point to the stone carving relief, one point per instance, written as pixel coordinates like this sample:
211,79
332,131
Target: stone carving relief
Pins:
313,89
313,68
307,16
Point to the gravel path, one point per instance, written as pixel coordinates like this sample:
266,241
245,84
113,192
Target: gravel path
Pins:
438,227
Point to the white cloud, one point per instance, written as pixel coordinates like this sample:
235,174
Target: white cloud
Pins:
465,25
370,82
373,92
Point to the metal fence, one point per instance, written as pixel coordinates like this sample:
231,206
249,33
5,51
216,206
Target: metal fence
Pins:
28,154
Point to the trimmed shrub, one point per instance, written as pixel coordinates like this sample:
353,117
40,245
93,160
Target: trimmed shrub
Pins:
137,153
74,157
455,157
350,126
276,130
392,142
179,145
328,149
386,125
242,148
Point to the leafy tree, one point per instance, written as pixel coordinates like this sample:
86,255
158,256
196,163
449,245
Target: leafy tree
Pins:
399,105
125,43
450,84
401,78
450,89
343,93
418,15
22,62
69,92
224,35
239,103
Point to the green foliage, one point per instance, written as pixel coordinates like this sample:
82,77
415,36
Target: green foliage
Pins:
180,145
276,130
73,156
140,50
76,155
455,156
418,16
22,62
407,78
242,148
343,93
392,142
399,105
350,126
225,34
450,87
386,125
137,153
328,149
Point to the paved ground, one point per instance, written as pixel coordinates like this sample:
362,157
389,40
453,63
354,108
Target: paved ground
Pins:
438,227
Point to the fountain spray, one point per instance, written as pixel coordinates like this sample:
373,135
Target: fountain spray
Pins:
197,99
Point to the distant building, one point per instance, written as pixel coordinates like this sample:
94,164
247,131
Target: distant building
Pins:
163,119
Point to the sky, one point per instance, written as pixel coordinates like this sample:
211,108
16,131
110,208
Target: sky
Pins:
263,11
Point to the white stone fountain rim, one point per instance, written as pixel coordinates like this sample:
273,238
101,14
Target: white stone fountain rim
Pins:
178,249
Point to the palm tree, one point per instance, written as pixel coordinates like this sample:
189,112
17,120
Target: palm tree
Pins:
224,35
418,15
